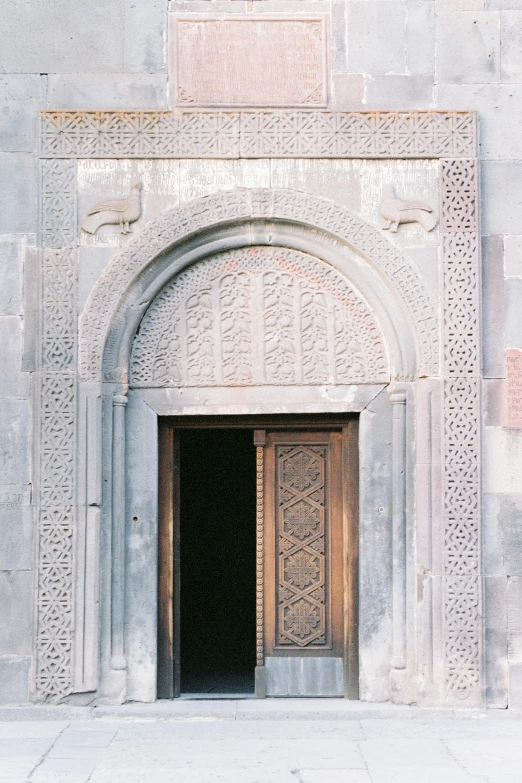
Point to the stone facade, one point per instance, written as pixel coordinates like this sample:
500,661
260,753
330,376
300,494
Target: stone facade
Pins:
393,91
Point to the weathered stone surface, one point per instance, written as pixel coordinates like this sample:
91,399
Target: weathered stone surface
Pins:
511,46
493,399
14,680
92,262
502,209
399,92
376,37
515,686
18,177
427,262
514,616
496,641
503,534
85,38
338,19
21,96
16,618
502,460
496,105
252,61
459,5
11,268
348,92
114,91
197,180
13,383
145,36
475,33
335,179
493,309
513,312
31,307
15,418
420,46
16,527
513,255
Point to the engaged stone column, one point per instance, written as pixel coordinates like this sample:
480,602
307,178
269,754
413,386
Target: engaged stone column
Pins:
398,401
118,660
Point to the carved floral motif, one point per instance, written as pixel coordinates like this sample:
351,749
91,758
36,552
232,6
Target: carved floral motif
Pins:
248,316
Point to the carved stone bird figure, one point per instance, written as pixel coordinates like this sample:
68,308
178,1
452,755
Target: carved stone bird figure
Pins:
123,211
397,210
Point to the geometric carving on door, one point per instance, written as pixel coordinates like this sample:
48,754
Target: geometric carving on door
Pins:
301,530
258,315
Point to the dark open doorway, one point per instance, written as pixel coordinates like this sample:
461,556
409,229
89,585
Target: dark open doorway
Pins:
217,543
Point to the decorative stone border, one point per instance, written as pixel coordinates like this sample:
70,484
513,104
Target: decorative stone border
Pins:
315,134
257,134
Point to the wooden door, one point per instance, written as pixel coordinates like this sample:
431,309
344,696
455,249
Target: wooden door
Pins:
307,560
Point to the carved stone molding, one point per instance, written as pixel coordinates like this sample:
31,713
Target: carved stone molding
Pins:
257,134
254,134
56,470
461,450
292,206
258,315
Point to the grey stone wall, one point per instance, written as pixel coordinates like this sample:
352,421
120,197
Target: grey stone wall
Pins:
397,54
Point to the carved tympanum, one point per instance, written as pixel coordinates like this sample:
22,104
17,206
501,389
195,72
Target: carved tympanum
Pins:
255,316
397,210
121,211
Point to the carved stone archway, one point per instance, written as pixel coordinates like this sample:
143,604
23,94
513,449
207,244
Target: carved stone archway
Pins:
447,658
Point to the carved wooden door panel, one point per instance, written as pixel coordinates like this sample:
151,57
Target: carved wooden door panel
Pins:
305,556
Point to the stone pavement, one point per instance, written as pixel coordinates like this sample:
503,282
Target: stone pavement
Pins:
277,741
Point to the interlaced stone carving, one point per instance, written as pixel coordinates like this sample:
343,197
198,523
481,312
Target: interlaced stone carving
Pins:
261,315
56,497
459,195
59,309
461,430
58,195
228,206
302,532
257,133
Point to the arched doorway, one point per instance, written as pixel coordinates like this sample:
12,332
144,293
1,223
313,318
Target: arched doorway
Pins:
369,295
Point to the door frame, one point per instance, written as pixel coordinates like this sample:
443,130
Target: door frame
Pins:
168,617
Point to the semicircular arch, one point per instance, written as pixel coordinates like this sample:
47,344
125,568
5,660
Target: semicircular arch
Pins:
243,217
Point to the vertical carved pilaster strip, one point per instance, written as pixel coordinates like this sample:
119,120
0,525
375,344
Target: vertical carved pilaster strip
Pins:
56,433
398,401
461,450
118,661
259,442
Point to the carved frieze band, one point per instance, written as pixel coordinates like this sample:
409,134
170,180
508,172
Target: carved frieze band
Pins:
56,435
461,274
257,134
294,206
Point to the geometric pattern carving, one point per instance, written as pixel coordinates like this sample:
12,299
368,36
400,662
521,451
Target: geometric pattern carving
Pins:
57,435
292,206
58,207
302,530
258,315
59,309
459,195
257,133
461,303
461,368
314,134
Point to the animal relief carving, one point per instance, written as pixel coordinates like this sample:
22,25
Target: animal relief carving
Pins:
122,211
395,211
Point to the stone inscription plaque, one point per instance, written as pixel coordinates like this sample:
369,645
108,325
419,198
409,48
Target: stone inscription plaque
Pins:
252,61
513,407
